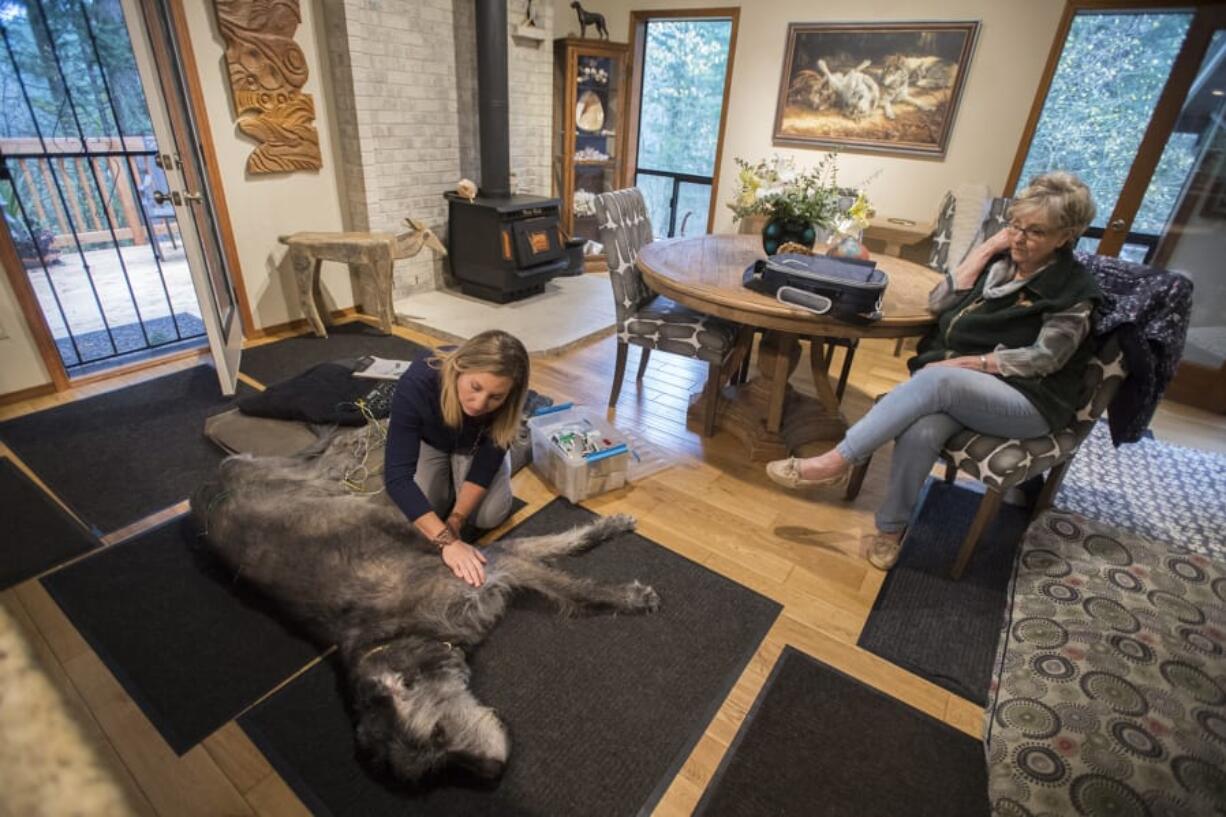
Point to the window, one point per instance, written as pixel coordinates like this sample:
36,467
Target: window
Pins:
1112,70
684,69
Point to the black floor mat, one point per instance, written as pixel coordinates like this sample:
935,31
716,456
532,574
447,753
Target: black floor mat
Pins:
170,627
602,711
123,455
38,533
818,741
929,624
274,362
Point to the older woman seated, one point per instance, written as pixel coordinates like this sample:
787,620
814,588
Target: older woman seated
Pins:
1006,357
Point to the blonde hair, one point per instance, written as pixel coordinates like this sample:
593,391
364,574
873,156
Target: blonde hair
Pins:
1062,197
493,352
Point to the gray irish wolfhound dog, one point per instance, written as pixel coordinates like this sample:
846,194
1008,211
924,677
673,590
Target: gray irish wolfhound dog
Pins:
355,572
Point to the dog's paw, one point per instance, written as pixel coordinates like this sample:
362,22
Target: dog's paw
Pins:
610,527
641,598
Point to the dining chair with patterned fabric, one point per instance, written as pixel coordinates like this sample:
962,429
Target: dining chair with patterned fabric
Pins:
1001,463
652,321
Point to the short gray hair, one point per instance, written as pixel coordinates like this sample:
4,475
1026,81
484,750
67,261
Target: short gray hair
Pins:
1062,197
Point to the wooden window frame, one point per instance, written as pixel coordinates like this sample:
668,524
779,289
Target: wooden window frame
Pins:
1162,120
638,48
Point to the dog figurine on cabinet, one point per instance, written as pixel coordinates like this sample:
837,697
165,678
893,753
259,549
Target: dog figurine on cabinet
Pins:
590,18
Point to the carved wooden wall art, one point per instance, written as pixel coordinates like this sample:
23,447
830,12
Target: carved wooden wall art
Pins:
267,72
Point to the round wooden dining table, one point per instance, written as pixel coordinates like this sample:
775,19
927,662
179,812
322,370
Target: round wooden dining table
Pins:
770,417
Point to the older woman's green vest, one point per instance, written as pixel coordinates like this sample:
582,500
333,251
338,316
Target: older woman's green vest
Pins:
975,326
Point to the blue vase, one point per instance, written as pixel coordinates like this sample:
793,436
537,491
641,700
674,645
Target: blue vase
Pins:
780,231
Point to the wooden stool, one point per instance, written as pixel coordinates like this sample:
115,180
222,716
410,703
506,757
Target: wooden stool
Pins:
368,254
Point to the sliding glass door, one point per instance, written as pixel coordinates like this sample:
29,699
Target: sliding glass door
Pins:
1193,235
1110,77
1135,106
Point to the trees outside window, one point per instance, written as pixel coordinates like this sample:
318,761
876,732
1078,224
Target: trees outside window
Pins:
684,67
1111,72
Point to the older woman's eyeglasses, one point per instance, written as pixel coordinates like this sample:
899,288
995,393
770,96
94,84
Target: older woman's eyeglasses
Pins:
1031,233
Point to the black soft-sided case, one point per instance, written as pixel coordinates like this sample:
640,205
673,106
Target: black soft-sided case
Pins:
846,289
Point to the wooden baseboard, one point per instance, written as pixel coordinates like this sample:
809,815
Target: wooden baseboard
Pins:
120,371
1199,386
108,374
27,394
299,324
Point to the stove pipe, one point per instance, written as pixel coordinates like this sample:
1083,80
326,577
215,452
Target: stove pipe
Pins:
492,98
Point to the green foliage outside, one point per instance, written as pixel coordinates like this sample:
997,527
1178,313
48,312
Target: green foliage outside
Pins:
65,100
683,90
1110,75
81,95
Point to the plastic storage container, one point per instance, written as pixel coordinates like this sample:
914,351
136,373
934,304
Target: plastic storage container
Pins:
577,452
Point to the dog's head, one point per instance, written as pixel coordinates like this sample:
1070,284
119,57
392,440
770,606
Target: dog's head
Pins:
418,721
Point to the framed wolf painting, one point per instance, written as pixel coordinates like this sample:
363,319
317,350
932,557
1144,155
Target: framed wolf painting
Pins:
881,87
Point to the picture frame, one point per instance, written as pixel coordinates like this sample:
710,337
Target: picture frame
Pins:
873,87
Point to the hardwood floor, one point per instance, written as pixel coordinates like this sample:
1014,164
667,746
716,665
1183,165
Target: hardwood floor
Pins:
711,506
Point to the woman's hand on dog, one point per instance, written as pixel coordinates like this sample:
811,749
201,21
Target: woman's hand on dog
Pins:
466,562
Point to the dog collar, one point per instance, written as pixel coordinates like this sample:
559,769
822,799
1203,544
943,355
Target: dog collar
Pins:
378,648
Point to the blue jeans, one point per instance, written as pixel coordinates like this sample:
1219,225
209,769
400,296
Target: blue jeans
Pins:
921,414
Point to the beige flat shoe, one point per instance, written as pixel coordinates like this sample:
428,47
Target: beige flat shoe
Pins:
787,473
883,550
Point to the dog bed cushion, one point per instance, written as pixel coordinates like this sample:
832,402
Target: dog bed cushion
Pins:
238,433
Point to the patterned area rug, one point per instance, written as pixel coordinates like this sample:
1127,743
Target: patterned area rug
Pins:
1109,695
1159,491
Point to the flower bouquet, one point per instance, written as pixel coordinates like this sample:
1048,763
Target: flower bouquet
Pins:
798,205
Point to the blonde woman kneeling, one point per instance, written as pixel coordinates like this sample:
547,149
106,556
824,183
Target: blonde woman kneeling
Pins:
453,418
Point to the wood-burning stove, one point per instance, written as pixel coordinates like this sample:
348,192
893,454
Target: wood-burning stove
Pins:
504,249
501,247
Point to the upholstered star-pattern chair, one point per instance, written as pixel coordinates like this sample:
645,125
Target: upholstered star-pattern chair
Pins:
650,320
1001,463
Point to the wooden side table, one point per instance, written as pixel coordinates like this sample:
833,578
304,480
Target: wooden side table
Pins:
897,232
369,254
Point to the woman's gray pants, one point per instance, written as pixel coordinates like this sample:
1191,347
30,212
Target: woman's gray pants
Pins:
440,475
924,412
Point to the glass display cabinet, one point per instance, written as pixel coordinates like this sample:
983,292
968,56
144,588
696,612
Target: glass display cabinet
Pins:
589,91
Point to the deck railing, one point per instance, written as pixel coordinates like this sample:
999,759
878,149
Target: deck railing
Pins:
79,177
68,199
34,175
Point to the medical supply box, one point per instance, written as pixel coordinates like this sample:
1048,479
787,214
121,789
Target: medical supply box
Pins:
577,451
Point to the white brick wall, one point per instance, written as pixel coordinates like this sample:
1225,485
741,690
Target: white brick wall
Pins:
404,81
531,99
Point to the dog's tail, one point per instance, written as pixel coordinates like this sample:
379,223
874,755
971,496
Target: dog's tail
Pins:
207,503
203,499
